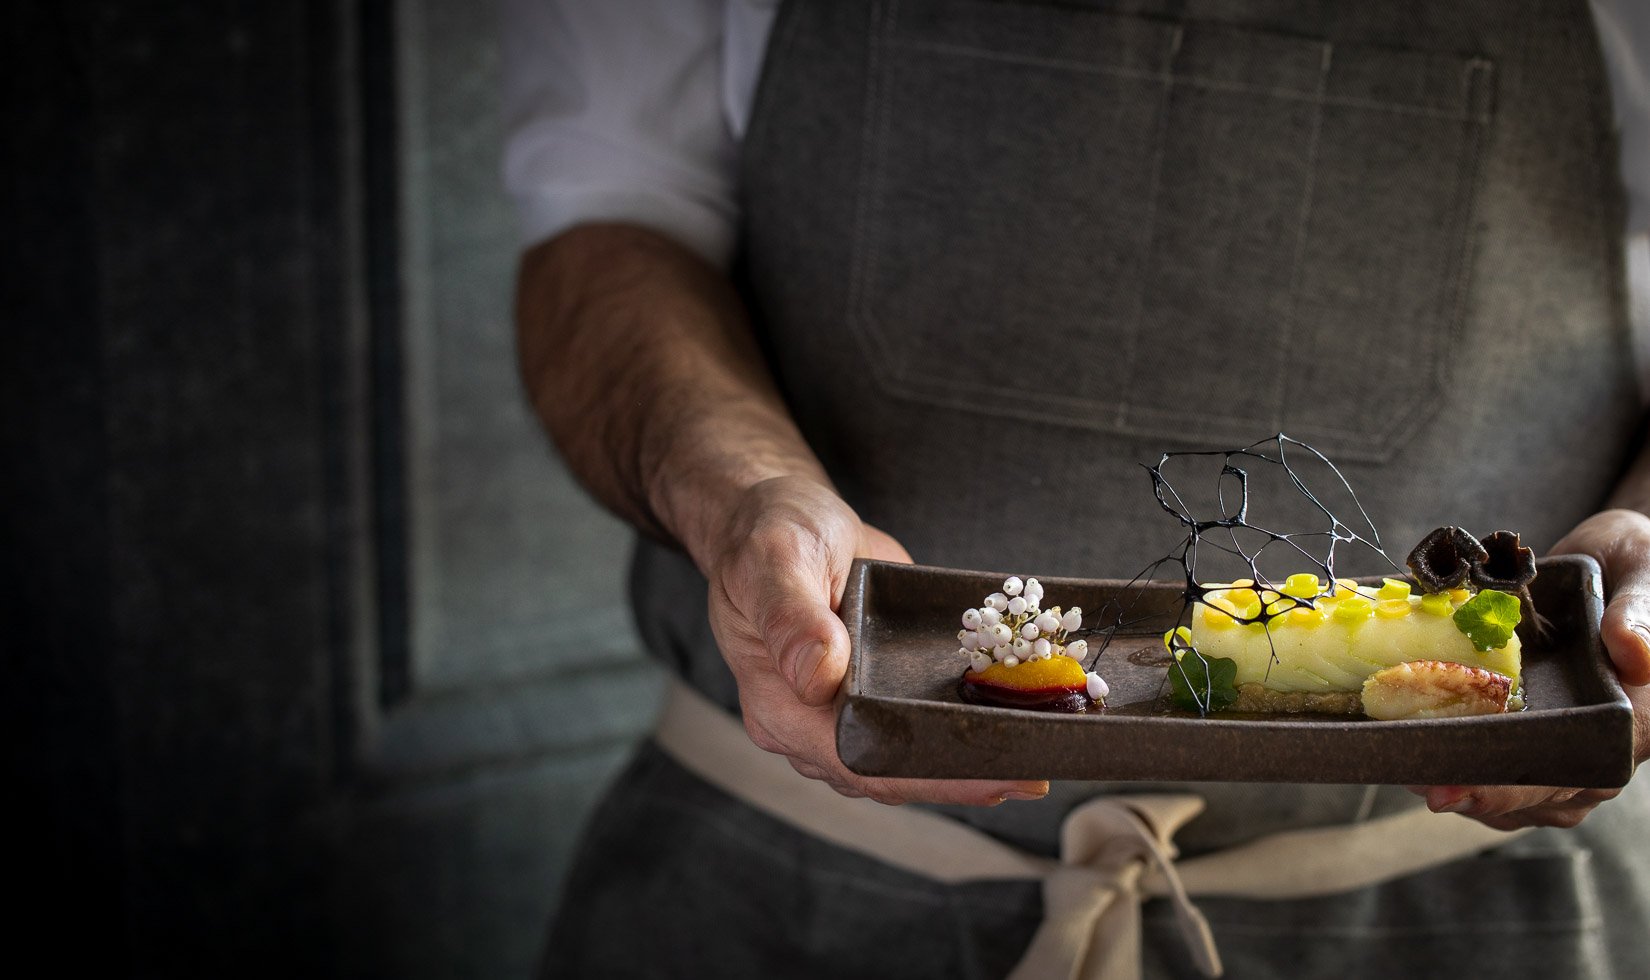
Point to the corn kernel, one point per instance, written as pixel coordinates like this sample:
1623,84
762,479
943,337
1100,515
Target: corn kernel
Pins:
1301,586
1238,612
1346,584
1392,608
1180,631
1459,596
1306,616
1437,604
1216,617
1353,609
1392,588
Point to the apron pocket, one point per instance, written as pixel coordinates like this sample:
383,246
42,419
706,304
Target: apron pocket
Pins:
1152,228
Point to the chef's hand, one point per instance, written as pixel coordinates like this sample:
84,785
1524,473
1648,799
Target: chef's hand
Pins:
1620,541
774,591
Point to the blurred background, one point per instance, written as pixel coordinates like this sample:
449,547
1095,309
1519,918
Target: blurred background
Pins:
317,658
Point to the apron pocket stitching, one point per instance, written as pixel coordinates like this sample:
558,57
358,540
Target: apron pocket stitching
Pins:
904,367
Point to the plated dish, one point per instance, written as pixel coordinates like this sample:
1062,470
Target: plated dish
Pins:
904,714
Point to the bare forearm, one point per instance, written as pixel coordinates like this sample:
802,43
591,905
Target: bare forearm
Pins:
639,360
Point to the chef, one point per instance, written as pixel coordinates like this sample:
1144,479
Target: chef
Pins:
918,278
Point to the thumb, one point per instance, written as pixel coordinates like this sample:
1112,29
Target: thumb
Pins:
1625,628
808,643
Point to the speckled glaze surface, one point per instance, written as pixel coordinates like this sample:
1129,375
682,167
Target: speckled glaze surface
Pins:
902,715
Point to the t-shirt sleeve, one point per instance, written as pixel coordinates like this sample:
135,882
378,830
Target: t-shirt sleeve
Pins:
613,112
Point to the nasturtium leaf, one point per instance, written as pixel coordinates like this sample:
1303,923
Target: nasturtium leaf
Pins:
1488,619
1202,684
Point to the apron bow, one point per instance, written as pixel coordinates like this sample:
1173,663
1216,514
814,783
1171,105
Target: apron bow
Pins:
1115,852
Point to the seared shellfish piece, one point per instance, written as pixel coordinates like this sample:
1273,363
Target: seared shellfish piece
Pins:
1435,689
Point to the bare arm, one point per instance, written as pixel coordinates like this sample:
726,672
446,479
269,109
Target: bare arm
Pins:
641,364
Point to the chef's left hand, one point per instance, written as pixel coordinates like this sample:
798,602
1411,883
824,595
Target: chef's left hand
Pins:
1620,541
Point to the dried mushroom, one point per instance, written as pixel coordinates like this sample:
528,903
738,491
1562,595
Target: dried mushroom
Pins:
1445,559
1450,558
1510,567
1507,565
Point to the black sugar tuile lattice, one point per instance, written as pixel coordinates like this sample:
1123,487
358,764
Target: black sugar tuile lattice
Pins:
1220,534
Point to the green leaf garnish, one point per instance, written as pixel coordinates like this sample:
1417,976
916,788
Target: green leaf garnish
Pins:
1202,684
1488,619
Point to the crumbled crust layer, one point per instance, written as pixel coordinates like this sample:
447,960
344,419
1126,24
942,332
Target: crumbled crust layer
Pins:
1255,697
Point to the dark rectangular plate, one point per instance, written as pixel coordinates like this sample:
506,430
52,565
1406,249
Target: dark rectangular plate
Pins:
902,715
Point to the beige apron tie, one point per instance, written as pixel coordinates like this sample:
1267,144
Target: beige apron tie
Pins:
1114,850
1091,901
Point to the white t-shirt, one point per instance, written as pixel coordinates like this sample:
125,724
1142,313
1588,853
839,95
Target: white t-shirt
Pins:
632,110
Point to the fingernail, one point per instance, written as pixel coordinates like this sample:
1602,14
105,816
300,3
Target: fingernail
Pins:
1020,794
1643,633
1465,804
1634,666
806,665
1441,798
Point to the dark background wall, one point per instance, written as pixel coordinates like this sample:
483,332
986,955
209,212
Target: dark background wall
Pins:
294,589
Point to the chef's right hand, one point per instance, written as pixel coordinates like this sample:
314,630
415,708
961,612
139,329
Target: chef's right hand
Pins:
774,592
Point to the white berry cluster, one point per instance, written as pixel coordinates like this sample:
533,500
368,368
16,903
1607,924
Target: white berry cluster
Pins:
1011,627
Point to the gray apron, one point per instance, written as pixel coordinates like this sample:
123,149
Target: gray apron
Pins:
1090,233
